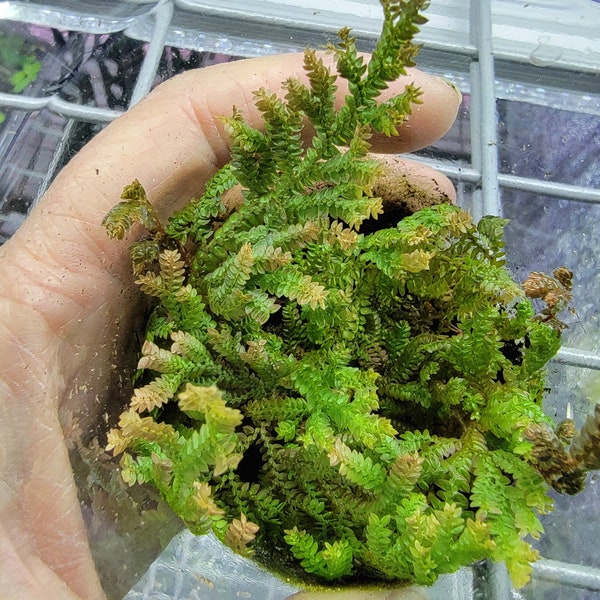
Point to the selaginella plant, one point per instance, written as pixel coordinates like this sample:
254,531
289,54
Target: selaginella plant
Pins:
339,389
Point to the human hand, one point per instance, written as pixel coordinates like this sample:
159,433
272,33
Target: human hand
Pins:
69,309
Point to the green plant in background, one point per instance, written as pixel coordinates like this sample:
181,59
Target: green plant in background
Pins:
345,396
18,64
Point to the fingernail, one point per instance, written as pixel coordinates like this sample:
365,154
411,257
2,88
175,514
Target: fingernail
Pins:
452,85
443,85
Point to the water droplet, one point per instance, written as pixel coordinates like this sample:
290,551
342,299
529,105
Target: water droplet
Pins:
546,53
223,45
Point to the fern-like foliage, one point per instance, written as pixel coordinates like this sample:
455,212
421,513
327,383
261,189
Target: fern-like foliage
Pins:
366,400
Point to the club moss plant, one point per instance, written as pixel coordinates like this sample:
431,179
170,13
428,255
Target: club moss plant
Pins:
344,388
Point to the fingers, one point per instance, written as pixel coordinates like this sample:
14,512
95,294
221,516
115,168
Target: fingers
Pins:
412,183
172,141
179,125
429,121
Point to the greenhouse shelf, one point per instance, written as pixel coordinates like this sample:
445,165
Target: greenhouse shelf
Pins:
526,145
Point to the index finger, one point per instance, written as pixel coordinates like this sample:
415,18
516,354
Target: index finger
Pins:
173,141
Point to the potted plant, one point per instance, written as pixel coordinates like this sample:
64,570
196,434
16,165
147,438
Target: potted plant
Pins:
344,383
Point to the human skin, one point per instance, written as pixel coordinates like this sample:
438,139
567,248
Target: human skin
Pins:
69,308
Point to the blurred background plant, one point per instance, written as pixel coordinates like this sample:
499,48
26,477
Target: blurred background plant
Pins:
19,64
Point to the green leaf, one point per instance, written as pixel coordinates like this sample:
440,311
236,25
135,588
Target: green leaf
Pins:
207,403
135,209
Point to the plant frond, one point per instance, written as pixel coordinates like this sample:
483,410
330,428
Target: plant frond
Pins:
356,386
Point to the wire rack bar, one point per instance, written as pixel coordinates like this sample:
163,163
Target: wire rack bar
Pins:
578,358
60,107
163,14
551,189
485,128
577,576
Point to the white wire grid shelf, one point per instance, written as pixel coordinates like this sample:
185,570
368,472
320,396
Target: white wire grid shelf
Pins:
537,60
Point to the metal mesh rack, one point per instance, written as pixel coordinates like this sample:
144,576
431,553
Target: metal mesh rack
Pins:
526,145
